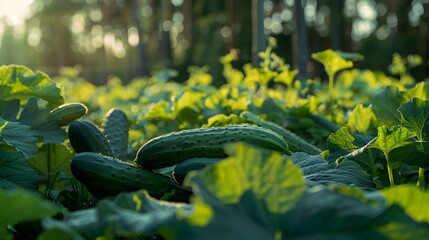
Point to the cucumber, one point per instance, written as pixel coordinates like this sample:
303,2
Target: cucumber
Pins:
171,149
105,176
66,113
84,136
293,140
183,168
115,128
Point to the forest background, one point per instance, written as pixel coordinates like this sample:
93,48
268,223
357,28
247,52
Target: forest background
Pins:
132,38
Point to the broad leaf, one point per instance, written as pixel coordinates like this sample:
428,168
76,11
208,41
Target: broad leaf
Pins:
332,61
128,215
251,188
20,82
19,136
391,138
224,120
414,154
415,117
327,214
414,201
52,158
385,106
317,171
421,90
360,119
39,120
19,205
266,175
9,109
15,171
344,145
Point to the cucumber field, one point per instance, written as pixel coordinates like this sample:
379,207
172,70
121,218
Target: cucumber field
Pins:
214,120
263,155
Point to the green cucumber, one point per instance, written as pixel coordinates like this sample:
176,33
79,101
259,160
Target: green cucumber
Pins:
293,140
105,176
85,136
115,128
171,149
183,168
66,113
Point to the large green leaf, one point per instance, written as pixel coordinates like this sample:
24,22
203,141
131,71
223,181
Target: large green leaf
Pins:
415,154
318,171
127,215
20,82
351,215
330,214
19,205
52,158
39,120
385,106
360,118
420,90
9,109
19,136
415,117
15,171
332,61
344,145
267,175
414,201
391,138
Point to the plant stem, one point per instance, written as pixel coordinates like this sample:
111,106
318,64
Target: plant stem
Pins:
421,179
371,159
331,89
389,171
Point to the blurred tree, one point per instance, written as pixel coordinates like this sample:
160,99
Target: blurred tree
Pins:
131,38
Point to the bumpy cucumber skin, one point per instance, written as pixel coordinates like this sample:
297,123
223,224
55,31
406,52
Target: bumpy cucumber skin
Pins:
293,140
105,176
183,168
84,136
66,113
115,128
170,149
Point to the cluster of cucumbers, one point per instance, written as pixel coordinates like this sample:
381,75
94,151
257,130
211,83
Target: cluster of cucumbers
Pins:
100,165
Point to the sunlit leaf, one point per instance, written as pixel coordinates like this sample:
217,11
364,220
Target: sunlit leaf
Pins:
342,139
391,138
344,145
20,82
223,120
273,180
360,118
413,200
420,90
332,61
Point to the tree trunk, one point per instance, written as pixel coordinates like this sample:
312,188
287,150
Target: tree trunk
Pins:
259,42
144,69
301,46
